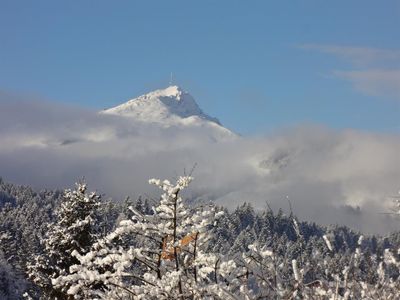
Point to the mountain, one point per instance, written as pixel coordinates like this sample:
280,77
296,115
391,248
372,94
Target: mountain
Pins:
170,107
161,106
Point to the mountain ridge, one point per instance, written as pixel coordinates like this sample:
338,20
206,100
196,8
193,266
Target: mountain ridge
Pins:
169,107
167,102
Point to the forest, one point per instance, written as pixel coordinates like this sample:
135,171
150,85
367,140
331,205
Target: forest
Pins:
74,244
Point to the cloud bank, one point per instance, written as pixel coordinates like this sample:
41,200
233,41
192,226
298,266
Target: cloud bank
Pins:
329,176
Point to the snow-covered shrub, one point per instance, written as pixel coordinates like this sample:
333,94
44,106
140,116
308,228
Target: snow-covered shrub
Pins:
272,276
166,260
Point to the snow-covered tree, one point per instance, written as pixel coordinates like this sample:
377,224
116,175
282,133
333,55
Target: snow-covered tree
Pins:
168,260
173,250
74,230
12,285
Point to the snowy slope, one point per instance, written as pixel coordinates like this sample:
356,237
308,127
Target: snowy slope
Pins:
170,107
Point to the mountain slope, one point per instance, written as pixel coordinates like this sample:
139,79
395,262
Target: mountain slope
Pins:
170,107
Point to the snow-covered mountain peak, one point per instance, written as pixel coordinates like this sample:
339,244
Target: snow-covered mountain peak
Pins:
161,106
172,91
171,107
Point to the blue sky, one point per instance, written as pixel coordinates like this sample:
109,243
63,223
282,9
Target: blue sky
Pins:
256,65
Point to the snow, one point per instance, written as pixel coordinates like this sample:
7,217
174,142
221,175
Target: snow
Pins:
167,267
327,242
160,105
170,107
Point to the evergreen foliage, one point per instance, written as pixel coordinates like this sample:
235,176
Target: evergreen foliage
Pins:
73,245
76,228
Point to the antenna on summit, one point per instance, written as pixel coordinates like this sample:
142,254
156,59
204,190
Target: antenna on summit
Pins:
170,80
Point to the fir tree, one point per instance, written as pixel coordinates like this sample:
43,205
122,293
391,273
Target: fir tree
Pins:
74,230
170,262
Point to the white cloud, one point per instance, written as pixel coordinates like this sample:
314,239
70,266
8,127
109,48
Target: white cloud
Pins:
378,72
385,83
359,56
327,174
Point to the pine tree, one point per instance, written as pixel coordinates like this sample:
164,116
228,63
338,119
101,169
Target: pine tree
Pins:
74,230
170,262
12,285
